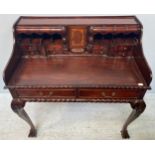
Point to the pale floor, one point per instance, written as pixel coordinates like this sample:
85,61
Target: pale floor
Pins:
76,120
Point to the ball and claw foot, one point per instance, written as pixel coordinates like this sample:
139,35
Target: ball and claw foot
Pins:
138,107
18,107
125,134
32,133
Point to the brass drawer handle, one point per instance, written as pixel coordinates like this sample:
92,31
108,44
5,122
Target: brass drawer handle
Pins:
106,96
50,93
40,93
103,93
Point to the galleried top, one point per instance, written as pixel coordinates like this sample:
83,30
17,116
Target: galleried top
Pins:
99,20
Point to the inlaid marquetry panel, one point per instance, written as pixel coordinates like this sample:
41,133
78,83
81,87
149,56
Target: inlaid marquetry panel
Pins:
77,38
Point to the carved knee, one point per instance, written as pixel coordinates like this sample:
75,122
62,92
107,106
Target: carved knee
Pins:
138,105
17,104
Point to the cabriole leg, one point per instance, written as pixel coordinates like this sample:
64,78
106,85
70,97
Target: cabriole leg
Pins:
138,108
18,107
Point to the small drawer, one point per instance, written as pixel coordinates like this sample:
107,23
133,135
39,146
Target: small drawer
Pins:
108,93
47,93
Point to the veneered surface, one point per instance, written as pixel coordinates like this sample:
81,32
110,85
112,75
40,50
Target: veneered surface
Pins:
80,70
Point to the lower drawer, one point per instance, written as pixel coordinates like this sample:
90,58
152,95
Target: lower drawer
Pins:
83,93
109,93
47,93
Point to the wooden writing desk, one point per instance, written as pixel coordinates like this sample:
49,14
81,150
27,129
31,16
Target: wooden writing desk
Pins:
78,59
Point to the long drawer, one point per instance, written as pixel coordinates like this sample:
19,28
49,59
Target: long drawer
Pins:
108,93
81,93
47,93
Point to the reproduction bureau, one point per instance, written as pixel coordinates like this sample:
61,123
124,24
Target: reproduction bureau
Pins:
78,59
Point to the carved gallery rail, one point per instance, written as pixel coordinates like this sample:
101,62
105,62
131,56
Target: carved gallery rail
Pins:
78,59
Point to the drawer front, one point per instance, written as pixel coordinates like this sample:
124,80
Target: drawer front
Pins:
47,93
109,93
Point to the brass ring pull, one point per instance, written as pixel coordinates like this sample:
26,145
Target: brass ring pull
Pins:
103,94
113,94
41,93
106,96
50,93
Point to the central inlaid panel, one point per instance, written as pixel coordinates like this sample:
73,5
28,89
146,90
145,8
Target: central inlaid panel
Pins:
77,38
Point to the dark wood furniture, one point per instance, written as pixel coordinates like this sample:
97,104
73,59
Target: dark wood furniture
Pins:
78,59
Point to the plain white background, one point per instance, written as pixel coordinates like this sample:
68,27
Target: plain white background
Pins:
6,42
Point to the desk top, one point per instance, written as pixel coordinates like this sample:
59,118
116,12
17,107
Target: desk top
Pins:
95,20
77,71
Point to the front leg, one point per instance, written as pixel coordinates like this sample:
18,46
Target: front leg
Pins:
17,106
138,107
